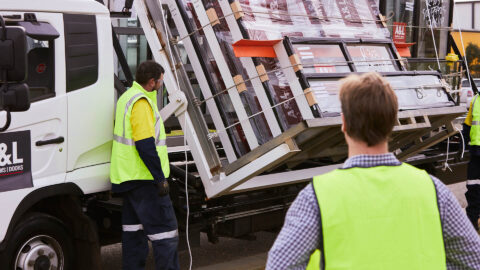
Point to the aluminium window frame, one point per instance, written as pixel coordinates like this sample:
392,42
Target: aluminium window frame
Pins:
303,77
319,76
343,44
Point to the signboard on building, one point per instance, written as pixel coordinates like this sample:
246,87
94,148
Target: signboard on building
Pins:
399,32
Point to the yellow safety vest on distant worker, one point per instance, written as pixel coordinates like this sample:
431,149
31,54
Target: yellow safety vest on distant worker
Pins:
475,129
383,217
126,163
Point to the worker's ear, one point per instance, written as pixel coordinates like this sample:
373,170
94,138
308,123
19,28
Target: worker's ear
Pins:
343,124
151,83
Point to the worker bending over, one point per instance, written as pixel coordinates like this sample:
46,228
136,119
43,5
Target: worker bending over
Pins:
375,212
139,172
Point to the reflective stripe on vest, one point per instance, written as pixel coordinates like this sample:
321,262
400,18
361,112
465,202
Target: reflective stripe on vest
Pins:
123,140
475,129
126,163
126,141
383,217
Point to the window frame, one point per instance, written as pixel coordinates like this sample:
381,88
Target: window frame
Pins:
344,42
73,58
52,93
320,76
388,48
339,76
340,47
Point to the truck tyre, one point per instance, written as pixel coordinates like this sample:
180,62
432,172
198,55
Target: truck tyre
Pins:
39,242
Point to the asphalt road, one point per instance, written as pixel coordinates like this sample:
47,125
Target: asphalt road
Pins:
231,251
228,254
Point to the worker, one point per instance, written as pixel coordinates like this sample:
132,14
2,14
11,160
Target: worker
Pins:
139,172
375,212
471,133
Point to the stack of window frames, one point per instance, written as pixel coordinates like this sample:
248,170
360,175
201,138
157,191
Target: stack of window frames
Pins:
255,96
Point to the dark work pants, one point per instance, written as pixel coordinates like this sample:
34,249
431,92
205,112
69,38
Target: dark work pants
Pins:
147,216
473,190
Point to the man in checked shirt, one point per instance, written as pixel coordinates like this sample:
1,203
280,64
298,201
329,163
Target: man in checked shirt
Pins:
375,212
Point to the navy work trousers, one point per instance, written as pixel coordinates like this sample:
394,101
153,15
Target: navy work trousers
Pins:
148,216
473,190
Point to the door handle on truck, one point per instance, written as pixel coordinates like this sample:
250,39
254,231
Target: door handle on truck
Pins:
51,141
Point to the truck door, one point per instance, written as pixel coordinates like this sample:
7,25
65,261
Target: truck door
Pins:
46,118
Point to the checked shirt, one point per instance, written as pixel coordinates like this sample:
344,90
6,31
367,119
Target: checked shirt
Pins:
299,236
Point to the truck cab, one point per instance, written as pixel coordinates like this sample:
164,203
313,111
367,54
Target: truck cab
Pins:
65,136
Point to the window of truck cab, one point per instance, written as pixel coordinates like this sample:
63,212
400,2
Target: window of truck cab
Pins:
41,69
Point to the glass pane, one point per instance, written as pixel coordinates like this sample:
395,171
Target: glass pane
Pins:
371,58
413,92
436,15
274,19
416,92
40,75
134,46
326,93
321,58
403,11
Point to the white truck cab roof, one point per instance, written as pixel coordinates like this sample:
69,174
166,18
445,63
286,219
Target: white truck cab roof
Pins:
60,6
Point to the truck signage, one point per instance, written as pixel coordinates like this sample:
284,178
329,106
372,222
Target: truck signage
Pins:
15,161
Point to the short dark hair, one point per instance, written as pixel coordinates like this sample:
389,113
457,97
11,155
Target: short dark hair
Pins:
369,107
148,70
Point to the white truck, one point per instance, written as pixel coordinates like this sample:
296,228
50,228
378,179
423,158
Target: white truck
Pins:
58,100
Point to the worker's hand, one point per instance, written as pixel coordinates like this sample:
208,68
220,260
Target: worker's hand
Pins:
163,188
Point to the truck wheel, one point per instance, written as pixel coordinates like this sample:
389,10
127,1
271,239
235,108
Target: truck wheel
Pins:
40,242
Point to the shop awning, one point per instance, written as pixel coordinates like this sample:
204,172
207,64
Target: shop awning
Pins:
468,37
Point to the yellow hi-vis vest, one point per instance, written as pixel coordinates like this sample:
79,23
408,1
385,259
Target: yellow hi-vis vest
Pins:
383,217
126,163
475,129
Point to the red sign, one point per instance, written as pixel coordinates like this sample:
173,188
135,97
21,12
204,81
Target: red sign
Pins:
41,68
399,32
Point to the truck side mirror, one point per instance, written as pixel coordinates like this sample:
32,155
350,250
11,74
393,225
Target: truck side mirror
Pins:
14,95
13,53
16,98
